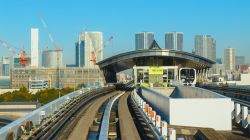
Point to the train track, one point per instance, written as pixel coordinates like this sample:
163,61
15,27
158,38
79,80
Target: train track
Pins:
239,95
52,127
129,126
81,130
127,129
244,92
79,118
126,122
115,109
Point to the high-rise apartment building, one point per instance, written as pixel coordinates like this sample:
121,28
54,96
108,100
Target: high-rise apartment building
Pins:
229,59
205,45
34,47
89,47
143,40
174,40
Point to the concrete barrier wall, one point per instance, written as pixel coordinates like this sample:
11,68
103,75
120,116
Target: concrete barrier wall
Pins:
194,92
158,101
164,90
204,111
212,113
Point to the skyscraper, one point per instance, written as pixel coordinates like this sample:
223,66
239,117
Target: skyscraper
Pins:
80,50
89,48
143,40
229,59
174,41
205,45
34,47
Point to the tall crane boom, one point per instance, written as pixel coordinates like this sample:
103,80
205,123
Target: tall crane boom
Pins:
45,25
95,52
22,57
56,49
9,48
106,44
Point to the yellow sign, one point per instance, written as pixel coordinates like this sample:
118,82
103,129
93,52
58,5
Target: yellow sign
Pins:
155,70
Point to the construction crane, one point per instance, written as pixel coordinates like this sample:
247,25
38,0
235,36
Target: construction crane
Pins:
22,60
94,52
57,49
22,57
9,48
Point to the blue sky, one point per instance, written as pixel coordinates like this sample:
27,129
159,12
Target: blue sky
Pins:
228,21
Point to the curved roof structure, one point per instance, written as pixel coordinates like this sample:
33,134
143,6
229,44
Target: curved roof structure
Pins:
161,57
152,57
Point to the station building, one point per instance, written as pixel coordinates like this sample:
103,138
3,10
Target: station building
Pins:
157,65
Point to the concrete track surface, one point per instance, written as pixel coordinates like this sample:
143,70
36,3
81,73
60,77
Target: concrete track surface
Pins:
80,131
127,127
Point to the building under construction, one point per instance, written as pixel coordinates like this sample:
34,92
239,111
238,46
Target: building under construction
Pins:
68,77
49,58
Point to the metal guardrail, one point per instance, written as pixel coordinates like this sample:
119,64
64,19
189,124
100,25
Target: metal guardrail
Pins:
105,121
45,111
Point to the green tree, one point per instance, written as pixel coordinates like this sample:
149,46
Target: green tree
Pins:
43,96
82,85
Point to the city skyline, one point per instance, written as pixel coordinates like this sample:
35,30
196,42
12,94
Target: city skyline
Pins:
67,21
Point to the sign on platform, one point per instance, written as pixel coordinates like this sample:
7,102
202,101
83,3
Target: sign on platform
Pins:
155,70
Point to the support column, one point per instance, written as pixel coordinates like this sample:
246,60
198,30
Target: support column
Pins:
237,110
244,116
232,109
207,73
199,75
203,75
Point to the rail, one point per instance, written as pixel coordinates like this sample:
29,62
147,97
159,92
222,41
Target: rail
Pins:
105,122
127,123
50,131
